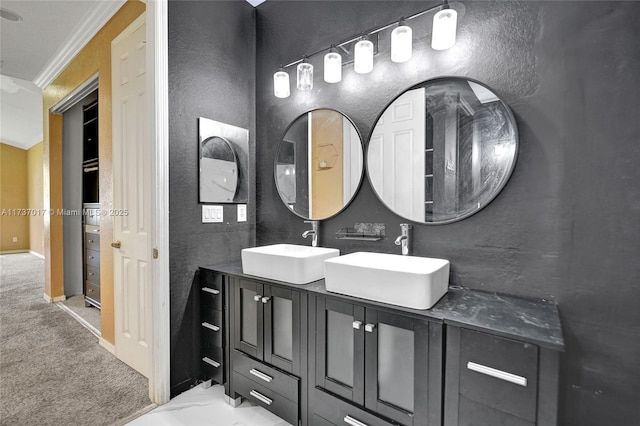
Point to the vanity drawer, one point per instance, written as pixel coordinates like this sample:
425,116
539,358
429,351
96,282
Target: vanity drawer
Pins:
93,274
332,410
471,413
210,298
211,334
267,398
92,241
499,373
92,291
212,363
272,379
92,257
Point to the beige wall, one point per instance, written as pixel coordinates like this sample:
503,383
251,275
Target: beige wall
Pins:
36,202
14,200
94,58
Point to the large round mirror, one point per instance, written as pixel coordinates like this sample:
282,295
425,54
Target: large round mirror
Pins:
442,150
318,166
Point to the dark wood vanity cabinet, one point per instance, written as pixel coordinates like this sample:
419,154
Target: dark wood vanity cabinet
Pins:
377,366
266,356
492,380
212,326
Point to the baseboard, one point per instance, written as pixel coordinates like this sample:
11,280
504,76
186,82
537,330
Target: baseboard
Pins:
50,299
13,251
81,320
41,256
108,346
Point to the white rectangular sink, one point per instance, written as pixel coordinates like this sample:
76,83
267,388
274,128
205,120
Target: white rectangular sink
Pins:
287,262
409,281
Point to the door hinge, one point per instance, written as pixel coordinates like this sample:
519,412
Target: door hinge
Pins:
155,252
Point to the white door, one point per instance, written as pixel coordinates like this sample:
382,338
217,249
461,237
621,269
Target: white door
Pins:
397,147
131,199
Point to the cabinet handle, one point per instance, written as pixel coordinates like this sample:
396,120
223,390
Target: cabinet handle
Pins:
357,325
257,297
211,362
90,257
369,328
261,397
353,422
211,326
498,374
90,240
265,299
210,290
259,374
90,274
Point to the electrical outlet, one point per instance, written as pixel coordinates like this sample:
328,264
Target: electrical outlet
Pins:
15,239
212,214
242,212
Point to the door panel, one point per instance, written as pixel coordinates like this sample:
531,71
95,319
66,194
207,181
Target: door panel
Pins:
282,329
131,192
248,309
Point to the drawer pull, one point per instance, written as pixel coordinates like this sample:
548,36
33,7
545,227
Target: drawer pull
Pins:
211,362
357,325
90,274
210,290
261,397
90,240
90,257
259,374
353,422
211,326
498,374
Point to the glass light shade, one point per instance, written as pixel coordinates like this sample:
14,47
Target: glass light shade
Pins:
444,29
305,76
281,84
401,44
363,62
332,67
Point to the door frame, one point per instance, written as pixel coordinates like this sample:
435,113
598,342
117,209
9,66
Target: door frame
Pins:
158,140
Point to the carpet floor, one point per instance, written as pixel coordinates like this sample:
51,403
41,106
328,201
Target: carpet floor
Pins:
89,313
52,370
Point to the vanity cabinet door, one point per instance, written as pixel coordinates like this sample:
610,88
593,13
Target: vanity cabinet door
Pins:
397,376
248,321
340,348
282,328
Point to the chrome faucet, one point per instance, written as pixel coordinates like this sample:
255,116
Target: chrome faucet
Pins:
313,231
403,239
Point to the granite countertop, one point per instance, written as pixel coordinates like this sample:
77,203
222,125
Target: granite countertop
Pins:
528,319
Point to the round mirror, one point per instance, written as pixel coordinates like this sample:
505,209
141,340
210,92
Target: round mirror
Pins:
218,170
442,150
318,166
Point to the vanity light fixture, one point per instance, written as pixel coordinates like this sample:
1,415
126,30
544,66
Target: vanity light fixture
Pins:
361,50
332,66
305,75
444,28
363,56
401,42
281,84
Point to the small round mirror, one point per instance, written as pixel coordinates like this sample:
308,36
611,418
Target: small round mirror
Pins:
319,163
218,170
442,150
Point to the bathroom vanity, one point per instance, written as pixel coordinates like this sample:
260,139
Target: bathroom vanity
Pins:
318,358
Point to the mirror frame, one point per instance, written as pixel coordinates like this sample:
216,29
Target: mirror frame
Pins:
362,172
498,189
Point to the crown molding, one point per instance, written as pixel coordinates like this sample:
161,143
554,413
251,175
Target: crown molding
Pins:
92,23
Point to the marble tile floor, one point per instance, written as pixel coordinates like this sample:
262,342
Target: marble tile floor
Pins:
204,405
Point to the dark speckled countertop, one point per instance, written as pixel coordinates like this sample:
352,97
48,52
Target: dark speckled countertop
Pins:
531,320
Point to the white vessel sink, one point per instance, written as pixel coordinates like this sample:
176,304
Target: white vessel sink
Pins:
409,281
287,262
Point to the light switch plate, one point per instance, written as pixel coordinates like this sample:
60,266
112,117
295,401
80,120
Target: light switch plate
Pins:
242,212
212,214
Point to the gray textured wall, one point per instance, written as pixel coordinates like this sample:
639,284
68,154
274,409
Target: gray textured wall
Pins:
211,74
566,227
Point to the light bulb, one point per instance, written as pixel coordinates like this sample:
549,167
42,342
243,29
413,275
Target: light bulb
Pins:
401,43
305,76
444,29
332,67
363,57
281,84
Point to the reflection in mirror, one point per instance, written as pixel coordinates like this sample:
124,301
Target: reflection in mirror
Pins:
318,166
218,170
442,150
